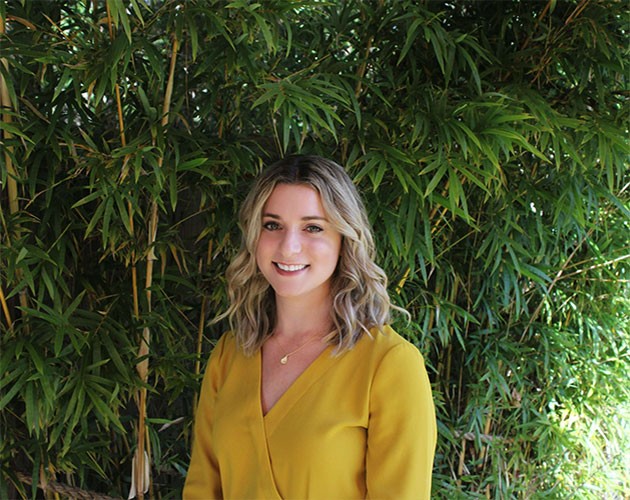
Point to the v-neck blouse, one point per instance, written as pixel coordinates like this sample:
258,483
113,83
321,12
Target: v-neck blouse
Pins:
357,425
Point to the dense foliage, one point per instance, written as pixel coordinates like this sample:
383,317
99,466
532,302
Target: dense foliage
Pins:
489,139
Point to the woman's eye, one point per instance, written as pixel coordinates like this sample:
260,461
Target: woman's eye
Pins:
314,229
271,226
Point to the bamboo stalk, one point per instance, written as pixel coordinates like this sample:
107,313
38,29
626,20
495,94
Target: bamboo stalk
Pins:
145,342
5,104
5,310
484,448
123,141
7,136
462,463
142,367
121,122
12,187
202,321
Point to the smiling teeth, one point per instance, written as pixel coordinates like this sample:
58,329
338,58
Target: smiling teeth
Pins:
284,267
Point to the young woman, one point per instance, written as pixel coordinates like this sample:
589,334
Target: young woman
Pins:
311,394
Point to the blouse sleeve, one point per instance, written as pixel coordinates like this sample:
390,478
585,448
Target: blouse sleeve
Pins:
402,429
203,479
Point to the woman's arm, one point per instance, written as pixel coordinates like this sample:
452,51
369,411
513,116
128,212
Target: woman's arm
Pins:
402,429
203,480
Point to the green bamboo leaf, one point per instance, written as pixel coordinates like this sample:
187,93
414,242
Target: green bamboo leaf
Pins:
50,287
194,38
150,111
65,79
22,254
411,219
89,198
534,273
13,391
137,11
96,218
473,68
469,133
287,123
435,180
377,178
55,434
36,359
490,155
410,38
172,188
9,376
123,213
77,403
123,18
103,412
8,81
70,309
278,102
114,354
15,130
428,240
108,211
32,414
264,28
438,44
399,173
193,164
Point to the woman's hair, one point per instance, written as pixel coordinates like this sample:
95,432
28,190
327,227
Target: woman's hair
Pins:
358,286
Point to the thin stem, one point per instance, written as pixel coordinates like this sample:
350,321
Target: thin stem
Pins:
12,189
145,342
559,274
5,309
5,105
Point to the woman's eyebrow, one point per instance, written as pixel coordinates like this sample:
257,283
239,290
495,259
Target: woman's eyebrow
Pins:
305,218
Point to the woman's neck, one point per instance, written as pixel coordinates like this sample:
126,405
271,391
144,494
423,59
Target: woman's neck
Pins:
296,317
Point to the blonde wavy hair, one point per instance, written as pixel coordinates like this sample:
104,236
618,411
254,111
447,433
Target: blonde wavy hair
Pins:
358,285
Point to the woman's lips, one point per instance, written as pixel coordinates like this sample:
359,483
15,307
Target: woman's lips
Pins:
290,268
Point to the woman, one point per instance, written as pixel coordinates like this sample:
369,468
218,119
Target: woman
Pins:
311,394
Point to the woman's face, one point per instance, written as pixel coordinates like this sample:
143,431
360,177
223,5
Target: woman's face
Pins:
298,248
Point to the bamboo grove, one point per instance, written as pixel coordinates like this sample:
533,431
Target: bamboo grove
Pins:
490,140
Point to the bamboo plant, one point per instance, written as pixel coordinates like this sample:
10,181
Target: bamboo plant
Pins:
489,140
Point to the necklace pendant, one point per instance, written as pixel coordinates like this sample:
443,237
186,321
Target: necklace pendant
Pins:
284,359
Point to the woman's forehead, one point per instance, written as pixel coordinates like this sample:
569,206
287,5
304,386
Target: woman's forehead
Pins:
294,199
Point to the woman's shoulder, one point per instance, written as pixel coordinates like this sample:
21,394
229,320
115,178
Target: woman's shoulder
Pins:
385,343
225,348
222,359
386,338
395,358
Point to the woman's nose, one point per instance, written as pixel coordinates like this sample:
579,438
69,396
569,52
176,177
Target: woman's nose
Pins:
291,244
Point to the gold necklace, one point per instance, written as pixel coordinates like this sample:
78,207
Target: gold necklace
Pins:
285,359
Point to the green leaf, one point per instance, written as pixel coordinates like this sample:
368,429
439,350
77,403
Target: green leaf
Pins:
13,391
15,130
411,35
89,198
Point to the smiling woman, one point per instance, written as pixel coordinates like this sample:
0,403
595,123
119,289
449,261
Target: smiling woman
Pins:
297,400
298,248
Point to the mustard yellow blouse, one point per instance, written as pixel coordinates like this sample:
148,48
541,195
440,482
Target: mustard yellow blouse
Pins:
358,425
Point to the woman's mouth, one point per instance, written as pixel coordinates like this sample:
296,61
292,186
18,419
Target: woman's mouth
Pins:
291,268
